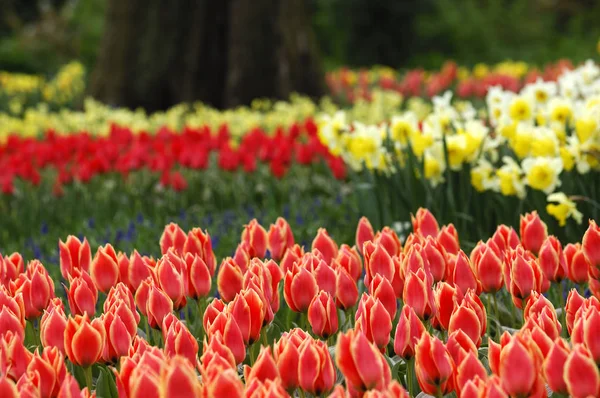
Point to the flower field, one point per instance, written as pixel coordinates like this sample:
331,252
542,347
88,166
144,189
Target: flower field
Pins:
379,318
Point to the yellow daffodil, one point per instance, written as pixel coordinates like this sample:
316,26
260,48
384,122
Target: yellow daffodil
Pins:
562,208
542,173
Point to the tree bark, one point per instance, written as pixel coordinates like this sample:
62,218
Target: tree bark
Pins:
155,54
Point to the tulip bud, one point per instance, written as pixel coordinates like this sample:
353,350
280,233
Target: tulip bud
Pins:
247,309
459,344
51,368
346,290
364,233
389,240
326,245
465,318
138,270
487,264
121,295
172,237
552,260
322,315
82,294
74,254
256,237
179,341
418,294
14,357
199,243
316,373
461,273
446,298
36,287
542,311
118,338
229,279
581,374
225,324
8,389
226,384
291,256
374,321
433,366
523,354
382,289
533,231
577,263
448,239
52,329
554,366
263,369
377,261
435,255
267,388
469,369
29,385
158,306
505,238
591,243
408,332
300,287
179,378
84,340
349,259
287,355
171,275
522,275
15,304
104,269
574,302
279,238
10,323
424,223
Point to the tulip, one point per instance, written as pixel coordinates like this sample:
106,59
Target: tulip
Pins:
469,369
216,352
316,373
361,363
8,389
389,240
15,304
52,329
268,388
459,345
214,308
487,264
552,260
118,338
279,238
179,341
408,332
229,279
300,287
424,223
578,265
433,366
522,354
247,309
448,239
435,255
533,231
10,323
179,379
418,294
172,237
138,270
291,256
171,275
474,387
591,244
505,238
287,355
36,287
541,309
364,233
581,374
591,338
82,295
225,324
415,259
554,366
349,259
14,357
346,290
276,275
382,289
121,294
84,340
199,243
263,369
322,315
465,318
70,388
326,245
29,385
74,254
446,298
227,384
104,268
242,256
377,261
325,276
574,302
461,273
158,306
256,237
523,276
51,368
374,321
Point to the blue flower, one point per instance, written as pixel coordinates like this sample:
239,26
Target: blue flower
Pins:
140,218
44,229
91,223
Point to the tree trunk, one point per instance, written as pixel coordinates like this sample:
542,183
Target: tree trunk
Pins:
155,54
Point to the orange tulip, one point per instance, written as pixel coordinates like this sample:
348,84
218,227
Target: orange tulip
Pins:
229,280
29,385
574,302
552,260
199,243
505,238
374,321
242,256
287,355
446,299
554,366
105,268
121,294
214,308
256,237
15,304
361,363
349,259
157,306
459,345
533,231
408,332
346,290
377,261
424,223
247,309
50,365
591,244
10,323
225,324
448,239
14,357
364,233
138,270
279,238
52,328
179,341
264,389
215,354
470,317
84,340
299,288
382,289
577,263
226,384
433,366
291,256
316,373
389,240
118,338
322,315
523,276
581,374
74,254
435,254
419,295
172,237
8,389
171,276
469,369
12,266
123,263
326,245
179,378
82,294
325,276
392,390
263,369
36,287
461,273
70,388
541,310
520,352
487,264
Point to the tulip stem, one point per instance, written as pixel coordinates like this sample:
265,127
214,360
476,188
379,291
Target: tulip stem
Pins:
87,371
301,393
201,309
497,314
563,315
410,370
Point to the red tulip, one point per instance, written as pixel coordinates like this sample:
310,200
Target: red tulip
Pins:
267,388
199,243
138,270
118,338
591,325
242,256
414,259
123,263
374,321
226,384
326,245
225,324
70,388
263,369
469,369
577,263
349,259
325,276
229,279
574,302
300,286
377,261
459,345
424,223
389,240
214,308
8,388
461,273
120,294
487,264
179,378
581,374
408,332
29,385
435,255
446,298
247,310
448,239
322,315
256,237
52,328
465,318
291,256
15,304
552,260
418,294
591,244
215,354
10,323
533,231
364,233
172,237
505,238
433,366
279,238
541,310
316,373
171,275
346,290
104,268
519,352
158,306
84,340
179,341
382,289
74,254
287,355
52,370
82,294
14,357
554,365
10,267
361,363
36,287
523,276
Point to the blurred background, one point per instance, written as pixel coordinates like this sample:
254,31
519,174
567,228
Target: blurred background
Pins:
155,54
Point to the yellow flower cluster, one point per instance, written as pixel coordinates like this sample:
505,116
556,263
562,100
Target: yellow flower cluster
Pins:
527,140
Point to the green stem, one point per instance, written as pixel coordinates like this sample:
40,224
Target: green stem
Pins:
410,370
563,316
514,315
497,314
88,377
301,393
147,330
200,319
263,333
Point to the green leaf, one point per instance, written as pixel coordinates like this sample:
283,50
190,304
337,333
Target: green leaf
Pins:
105,385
